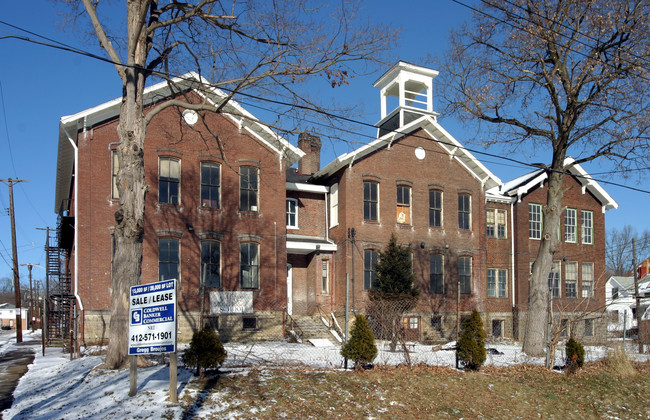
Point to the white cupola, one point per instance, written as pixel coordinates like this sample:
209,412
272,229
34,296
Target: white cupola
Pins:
407,90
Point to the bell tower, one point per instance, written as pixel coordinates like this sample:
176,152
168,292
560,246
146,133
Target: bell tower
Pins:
406,95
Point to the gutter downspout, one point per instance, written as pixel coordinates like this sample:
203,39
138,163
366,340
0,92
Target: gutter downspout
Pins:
512,250
512,264
76,229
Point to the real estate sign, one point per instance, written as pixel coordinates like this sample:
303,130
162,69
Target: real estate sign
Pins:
152,325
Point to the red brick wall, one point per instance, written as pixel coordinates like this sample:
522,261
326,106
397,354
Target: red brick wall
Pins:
167,135
499,257
311,213
399,166
573,252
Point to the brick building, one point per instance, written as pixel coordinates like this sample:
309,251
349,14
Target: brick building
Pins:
268,240
214,213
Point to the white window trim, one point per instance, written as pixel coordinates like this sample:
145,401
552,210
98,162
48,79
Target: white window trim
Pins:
295,225
334,205
574,225
540,222
582,227
496,283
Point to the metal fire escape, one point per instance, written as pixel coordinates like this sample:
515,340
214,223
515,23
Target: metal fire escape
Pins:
60,299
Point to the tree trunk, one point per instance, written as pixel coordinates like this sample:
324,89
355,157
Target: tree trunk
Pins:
129,219
538,296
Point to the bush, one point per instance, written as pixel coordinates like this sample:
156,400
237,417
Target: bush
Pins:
575,354
205,351
471,343
361,346
6,327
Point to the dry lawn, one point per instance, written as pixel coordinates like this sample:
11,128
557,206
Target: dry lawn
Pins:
600,390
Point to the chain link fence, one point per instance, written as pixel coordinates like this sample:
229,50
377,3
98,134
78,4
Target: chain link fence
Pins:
403,336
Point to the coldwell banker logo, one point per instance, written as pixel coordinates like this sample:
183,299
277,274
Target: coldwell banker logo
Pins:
136,317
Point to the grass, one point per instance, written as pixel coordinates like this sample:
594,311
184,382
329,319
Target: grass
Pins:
523,391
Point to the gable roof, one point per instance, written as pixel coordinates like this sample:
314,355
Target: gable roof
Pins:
436,133
524,184
69,125
623,282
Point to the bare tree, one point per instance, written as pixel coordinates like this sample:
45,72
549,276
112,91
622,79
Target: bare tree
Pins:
253,46
6,285
564,78
618,249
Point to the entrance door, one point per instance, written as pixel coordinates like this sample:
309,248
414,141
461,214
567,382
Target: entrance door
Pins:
411,328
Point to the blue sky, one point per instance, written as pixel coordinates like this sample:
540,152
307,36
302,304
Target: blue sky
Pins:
40,85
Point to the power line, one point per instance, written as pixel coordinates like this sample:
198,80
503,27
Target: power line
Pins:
4,115
311,108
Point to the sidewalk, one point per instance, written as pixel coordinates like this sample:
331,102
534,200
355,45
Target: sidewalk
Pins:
14,360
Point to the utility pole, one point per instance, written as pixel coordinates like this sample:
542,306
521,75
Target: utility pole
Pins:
32,308
46,299
19,322
636,294
31,297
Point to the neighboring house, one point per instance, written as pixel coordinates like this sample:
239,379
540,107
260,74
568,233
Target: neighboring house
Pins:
621,303
8,315
252,239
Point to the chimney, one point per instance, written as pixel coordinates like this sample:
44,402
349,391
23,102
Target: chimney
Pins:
309,144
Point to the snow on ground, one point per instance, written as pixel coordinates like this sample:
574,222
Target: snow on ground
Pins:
56,387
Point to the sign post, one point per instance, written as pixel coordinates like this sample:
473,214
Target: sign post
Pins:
152,326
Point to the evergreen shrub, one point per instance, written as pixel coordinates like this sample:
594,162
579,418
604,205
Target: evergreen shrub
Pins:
471,343
205,352
575,354
361,347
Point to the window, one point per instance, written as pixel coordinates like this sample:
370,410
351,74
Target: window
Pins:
614,292
571,279
570,225
490,223
535,221
564,327
497,328
370,201
411,322
168,259
211,263
115,166
292,213
497,283
589,327
325,276
249,323
501,223
248,188
404,204
250,267
210,184
436,284
169,176
587,227
464,211
436,322
334,205
587,280
496,223
369,274
435,208
465,273
554,280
